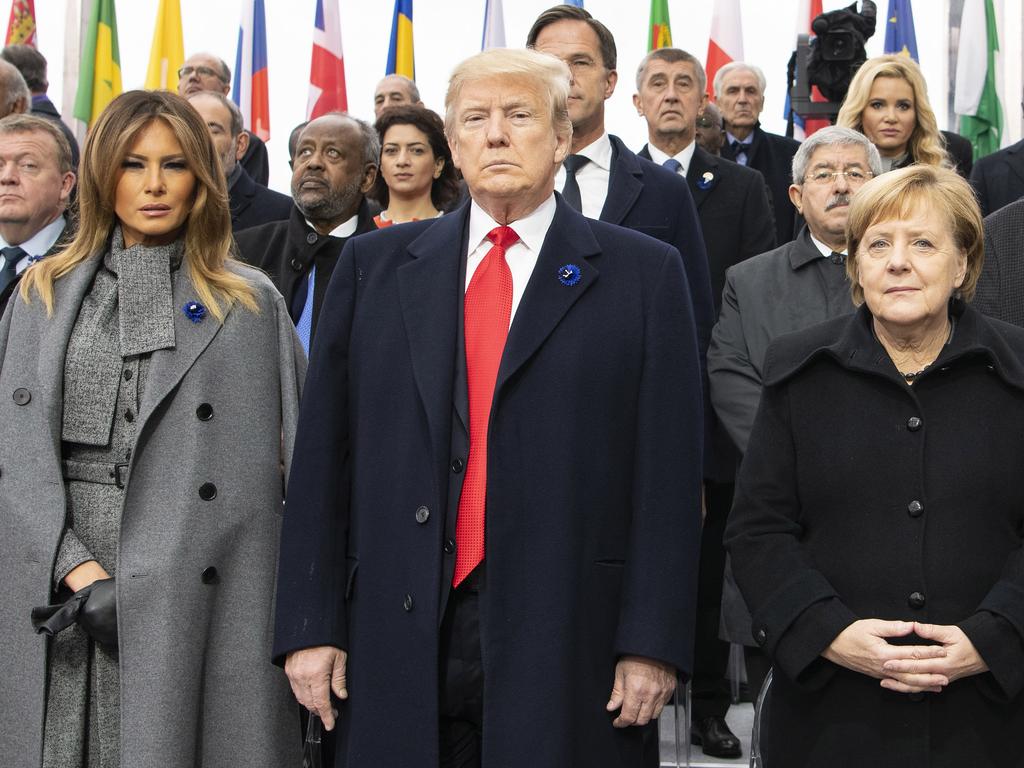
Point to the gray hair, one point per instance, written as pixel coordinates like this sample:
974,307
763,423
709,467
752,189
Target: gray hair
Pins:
13,87
414,91
237,122
739,66
833,136
672,55
25,123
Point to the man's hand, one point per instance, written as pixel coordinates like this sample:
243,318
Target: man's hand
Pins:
313,674
863,647
641,688
960,660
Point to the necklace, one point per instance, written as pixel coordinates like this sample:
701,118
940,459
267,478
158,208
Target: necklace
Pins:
911,376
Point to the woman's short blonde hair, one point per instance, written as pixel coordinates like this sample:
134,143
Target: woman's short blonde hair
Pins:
926,144
550,75
208,239
898,195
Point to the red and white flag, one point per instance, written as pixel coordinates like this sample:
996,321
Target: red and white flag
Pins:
726,42
327,70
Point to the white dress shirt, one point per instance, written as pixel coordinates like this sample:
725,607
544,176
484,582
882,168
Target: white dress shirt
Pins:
593,177
521,257
683,158
826,251
345,229
37,245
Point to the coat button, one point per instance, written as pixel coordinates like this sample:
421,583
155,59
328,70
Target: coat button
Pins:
761,636
296,265
915,508
407,603
127,374
916,600
129,416
207,491
913,423
422,515
209,575
204,412
458,465
311,238
449,546
22,396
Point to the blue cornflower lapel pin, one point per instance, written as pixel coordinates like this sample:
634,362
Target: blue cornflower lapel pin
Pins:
568,274
194,311
707,180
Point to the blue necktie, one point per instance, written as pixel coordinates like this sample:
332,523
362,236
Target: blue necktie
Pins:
304,325
673,165
571,190
740,150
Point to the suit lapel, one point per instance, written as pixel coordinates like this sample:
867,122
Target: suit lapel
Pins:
429,294
700,185
1015,159
624,183
547,299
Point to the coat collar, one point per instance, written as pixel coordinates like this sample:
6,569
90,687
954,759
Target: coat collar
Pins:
804,251
625,183
850,342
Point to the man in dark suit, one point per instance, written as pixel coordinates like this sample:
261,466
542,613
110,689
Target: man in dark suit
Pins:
999,178
736,216
335,165
490,544
251,203
205,72
608,181
739,93
1000,291
36,179
32,66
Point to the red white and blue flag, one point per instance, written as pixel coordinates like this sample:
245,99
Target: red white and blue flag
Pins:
250,90
327,70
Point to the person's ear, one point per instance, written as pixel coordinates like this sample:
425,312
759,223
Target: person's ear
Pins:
369,176
796,197
242,145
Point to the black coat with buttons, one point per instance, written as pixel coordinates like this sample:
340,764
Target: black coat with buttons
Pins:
863,497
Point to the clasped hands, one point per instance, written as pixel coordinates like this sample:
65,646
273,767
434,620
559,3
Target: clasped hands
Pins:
863,647
640,689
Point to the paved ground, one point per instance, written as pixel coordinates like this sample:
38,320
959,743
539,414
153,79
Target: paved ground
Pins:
740,719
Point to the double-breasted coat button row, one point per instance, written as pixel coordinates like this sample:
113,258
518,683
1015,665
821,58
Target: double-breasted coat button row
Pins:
207,491
204,412
127,374
449,546
422,515
916,600
914,423
311,238
21,396
915,508
209,575
296,265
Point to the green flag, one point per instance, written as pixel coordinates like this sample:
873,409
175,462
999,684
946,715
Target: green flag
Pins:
661,32
976,99
99,79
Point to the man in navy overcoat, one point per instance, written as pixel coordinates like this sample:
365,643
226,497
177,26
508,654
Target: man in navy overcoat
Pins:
565,639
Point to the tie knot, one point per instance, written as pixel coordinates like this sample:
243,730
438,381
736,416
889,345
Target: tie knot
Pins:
13,254
573,163
672,164
837,258
503,237
740,146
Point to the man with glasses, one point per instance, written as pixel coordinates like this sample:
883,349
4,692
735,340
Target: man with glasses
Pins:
205,72
710,134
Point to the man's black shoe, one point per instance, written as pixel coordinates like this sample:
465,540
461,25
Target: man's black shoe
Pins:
715,738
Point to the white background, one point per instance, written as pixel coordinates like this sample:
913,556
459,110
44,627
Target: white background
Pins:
446,31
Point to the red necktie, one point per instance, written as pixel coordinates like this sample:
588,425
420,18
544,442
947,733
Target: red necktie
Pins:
488,308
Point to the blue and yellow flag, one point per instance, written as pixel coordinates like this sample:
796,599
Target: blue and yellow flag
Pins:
400,57
899,29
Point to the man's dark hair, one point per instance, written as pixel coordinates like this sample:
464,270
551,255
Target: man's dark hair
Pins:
30,63
572,13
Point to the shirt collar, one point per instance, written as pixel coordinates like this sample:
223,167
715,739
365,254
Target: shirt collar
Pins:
345,229
599,152
745,142
826,251
43,240
683,158
532,229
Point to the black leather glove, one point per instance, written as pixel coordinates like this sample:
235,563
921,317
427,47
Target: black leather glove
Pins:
94,608
50,619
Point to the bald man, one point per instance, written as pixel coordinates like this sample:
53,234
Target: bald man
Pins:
395,91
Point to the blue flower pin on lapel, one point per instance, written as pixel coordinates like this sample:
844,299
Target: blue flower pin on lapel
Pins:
569,274
194,311
707,180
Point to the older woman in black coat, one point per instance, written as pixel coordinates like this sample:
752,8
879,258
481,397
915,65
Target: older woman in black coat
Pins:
877,529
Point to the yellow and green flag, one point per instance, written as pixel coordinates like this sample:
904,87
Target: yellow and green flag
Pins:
168,52
661,31
99,77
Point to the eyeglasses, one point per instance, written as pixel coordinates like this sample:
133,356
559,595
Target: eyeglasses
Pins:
706,122
202,72
853,176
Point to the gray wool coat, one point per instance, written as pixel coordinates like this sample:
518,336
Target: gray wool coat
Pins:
195,572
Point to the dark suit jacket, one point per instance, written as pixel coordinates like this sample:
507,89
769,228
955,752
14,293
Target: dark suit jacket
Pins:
1000,291
772,155
256,161
43,107
592,490
998,178
286,250
960,152
65,237
253,204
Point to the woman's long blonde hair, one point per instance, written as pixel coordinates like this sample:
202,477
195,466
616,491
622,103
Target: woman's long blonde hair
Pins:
926,144
208,240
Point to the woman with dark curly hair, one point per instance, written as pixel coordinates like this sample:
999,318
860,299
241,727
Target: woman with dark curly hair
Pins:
417,178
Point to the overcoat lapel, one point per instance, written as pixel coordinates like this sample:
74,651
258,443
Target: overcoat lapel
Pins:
1015,160
569,242
700,164
624,184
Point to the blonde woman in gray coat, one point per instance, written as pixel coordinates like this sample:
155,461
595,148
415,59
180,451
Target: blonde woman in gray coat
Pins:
148,396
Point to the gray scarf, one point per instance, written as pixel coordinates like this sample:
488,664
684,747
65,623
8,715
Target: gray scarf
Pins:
128,311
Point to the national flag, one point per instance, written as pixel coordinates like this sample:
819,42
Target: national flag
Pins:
577,3
100,72
168,51
21,27
250,90
400,52
494,25
726,43
899,30
327,69
977,99
807,12
661,29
